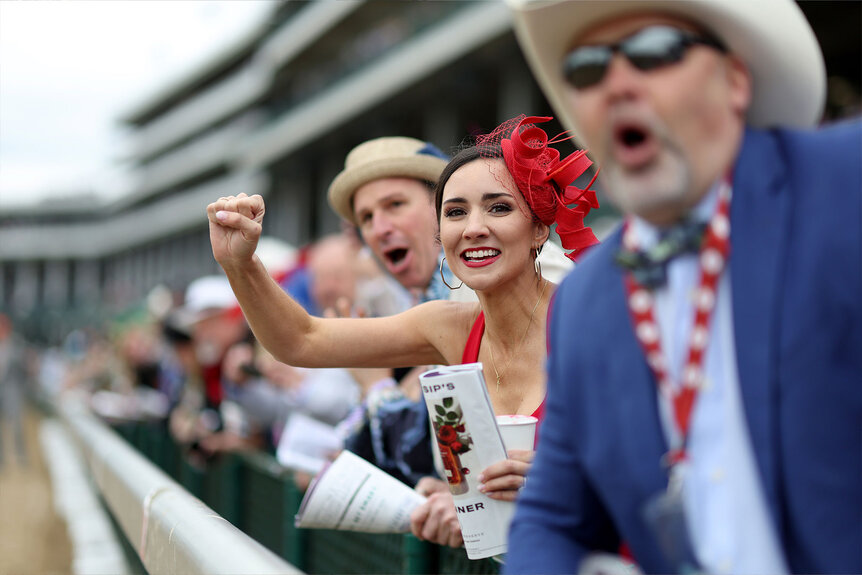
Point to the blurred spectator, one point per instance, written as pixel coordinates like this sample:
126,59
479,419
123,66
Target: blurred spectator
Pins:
269,391
91,363
51,371
332,268
138,348
177,361
134,392
13,383
215,323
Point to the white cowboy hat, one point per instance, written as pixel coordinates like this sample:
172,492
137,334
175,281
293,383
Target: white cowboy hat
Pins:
771,36
394,157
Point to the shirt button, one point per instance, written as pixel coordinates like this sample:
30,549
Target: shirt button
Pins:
725,566
717,475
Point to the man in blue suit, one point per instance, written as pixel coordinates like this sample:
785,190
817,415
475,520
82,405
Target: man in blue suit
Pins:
704,406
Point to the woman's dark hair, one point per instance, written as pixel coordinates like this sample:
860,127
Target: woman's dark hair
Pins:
463,157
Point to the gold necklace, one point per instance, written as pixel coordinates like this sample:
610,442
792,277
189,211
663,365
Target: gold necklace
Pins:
500,374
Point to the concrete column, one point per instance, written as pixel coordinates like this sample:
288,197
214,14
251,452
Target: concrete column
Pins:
292,184
55,291
140,263
26,287
3,285
187,256
166,249
124,279
206,263
86,289
440,126
516,95
327,220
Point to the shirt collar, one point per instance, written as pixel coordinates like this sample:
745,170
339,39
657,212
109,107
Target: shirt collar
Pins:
647,234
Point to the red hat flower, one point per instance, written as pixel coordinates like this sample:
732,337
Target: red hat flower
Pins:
545,180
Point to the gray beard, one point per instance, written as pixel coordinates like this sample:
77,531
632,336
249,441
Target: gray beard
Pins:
659,188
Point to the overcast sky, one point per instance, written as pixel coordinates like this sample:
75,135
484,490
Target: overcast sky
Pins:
70,68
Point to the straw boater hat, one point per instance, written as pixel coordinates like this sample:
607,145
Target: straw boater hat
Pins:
384,158
771,36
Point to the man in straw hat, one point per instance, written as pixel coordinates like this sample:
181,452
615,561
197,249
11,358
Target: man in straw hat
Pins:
385,190
711,418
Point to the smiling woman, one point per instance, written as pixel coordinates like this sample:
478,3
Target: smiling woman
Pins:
496,201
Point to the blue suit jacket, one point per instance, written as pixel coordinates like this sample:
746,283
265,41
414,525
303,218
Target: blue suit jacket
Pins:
796,276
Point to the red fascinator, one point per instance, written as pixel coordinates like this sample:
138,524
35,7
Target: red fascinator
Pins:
545,180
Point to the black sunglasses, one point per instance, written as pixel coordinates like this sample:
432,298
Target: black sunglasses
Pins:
647,49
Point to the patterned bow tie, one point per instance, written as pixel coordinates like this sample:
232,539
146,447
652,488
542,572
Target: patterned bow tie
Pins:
649,267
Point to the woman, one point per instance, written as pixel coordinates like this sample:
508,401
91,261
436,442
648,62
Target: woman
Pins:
495,202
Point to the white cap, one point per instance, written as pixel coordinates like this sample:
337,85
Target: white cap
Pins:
205,297
277,256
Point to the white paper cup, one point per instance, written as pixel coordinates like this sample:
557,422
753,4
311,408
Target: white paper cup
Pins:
518,431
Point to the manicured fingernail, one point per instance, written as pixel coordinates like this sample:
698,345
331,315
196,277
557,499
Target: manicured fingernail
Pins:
482,487
481,478
221,215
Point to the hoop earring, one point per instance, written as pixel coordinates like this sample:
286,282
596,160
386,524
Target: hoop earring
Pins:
537,265
442,277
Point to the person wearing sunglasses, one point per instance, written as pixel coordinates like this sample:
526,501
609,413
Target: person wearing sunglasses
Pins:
712,419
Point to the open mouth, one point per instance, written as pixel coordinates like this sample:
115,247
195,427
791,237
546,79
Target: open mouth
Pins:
631,137
480,255
396,256
634,145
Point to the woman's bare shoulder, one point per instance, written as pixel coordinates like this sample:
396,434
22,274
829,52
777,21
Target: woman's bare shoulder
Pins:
447,324
447,314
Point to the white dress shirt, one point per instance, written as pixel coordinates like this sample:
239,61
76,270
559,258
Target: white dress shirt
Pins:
723,496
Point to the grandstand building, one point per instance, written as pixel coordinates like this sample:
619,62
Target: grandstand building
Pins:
275,113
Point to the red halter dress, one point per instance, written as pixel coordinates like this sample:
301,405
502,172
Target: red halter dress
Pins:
471,355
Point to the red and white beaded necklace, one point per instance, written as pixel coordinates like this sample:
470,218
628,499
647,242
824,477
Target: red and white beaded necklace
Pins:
713,255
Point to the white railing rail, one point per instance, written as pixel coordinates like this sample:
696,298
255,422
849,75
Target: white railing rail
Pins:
171,530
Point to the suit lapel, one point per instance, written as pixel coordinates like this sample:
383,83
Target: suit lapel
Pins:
759,218
635,388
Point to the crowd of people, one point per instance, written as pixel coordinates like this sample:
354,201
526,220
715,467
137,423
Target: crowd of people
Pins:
697,376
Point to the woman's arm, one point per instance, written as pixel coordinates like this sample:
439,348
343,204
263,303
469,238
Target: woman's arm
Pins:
421,335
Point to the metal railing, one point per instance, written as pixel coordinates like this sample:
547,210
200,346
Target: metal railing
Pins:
172,531
195,522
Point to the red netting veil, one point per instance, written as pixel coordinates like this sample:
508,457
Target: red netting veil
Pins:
545,180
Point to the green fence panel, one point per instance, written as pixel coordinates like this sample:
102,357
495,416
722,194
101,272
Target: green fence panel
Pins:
266,502
149,438
452,561
220,486
143,440
171,455
296,539
192,477
164,452
255,493
420,557
126,430
344,552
